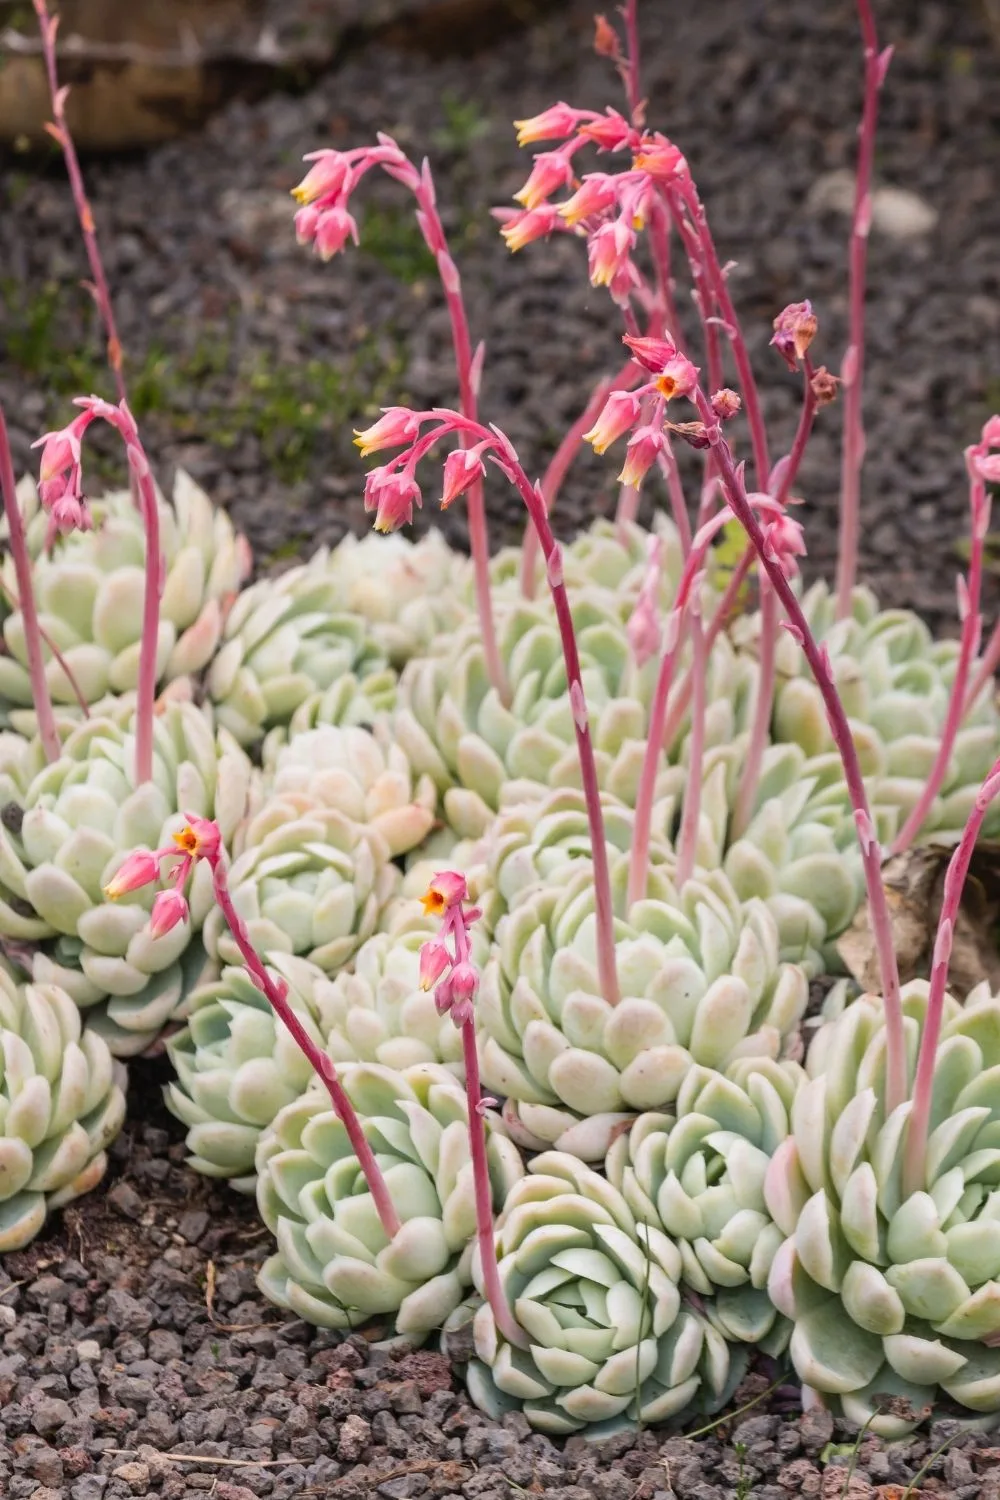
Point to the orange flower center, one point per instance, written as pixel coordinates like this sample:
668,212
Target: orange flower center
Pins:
187,841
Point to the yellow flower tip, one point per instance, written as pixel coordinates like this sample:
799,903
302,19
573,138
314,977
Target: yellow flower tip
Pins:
187,840
301,195
425,985
113,890
595,442
433,903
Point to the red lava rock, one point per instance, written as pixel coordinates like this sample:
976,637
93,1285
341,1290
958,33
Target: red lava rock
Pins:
801,1477
76,1461
430,1372
340,1380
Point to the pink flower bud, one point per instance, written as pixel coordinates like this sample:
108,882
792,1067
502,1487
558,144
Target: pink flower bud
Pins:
462,1012
725,404
464,981
608,250
533,224
169,908
396,425
652,354
677,378
444,996
991,433
553,124
305,222
461,470
987,467
446,890
788,541
434,960
324,179
139,869
621,411
596,194
644,447
333,229
552,170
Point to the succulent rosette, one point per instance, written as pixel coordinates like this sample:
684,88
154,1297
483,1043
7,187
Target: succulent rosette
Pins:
237,1065
409,592
701,982
66,836
893,1294
90,592
698,1174
334,1264
285,640
478,750
894,679
62,1103
611,1342
611,555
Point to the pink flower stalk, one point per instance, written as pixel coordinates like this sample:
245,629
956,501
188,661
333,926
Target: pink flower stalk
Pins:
29,613
457,984
687,842
969,597
200,839
502,453
915,1149
643,629
325,221
59,130
819,663
853,367
61,482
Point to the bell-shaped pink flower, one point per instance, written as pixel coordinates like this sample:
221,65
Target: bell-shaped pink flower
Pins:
620,412
169,908
608,133
552,170
596,194
393,500
652,354
553,124
325,177
397,425
608,250
659,159
462,468
140,868
447,889
334,228
677,378
199,838
464,981
434,960
644,447
533,224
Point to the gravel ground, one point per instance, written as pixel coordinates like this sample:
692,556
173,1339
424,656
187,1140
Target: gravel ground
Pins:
132,1334
132,1329
251,361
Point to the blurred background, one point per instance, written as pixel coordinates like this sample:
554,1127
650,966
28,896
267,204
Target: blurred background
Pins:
249,361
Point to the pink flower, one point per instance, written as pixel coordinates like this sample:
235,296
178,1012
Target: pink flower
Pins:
552,170
644,447
396,425
392,499
553,124
991,433
462,468
652,354
787,541
621,411
199,838
677,378
608,251
447,889
333,229
987,467
596,194
464,981
794,330
306,221
140,868
610,132
659,158
70,513
325,177
434,960
169,908
533,224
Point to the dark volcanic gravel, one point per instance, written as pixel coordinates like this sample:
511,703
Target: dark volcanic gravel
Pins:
137,1357
251,360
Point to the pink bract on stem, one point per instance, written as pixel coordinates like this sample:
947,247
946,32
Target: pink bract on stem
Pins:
29,614
821,668
969,597
853,367
457,982
48,25
915,1151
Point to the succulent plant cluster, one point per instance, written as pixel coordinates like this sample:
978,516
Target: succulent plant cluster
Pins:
579,823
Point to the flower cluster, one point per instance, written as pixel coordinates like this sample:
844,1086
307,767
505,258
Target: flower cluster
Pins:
391,489
60,480
450,971
198,839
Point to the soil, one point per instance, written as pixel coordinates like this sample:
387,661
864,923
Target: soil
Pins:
132,1329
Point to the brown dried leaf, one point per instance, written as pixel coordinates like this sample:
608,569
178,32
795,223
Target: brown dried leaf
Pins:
914,885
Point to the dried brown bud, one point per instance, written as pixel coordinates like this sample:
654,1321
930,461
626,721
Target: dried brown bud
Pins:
824,386
606,43
725,404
